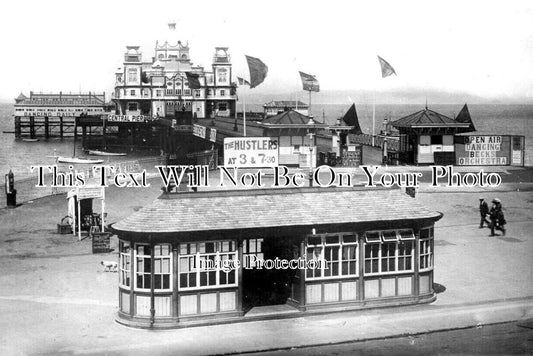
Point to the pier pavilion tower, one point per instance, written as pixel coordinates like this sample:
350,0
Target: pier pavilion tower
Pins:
159,87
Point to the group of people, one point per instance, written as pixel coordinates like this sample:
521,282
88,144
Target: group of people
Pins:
497,219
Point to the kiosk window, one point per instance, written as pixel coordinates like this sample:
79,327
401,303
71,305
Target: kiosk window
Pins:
336,256
124,264
162,267
426,248
389,251
252,247
207,264
436,139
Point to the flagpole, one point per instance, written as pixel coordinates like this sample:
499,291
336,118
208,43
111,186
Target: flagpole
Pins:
244,114
310,112
374,117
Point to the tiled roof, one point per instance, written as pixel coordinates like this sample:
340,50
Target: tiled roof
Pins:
425,118
290,117
264,208
21,97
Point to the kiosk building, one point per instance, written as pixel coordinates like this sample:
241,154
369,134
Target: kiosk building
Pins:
376,246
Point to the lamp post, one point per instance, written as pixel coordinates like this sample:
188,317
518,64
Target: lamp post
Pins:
311,134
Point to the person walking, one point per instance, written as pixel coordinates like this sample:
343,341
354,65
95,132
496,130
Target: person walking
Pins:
497,218
483,211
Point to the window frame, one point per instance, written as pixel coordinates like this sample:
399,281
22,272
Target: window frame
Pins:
195,258
427,244
123,261
339,260
385,259
136,256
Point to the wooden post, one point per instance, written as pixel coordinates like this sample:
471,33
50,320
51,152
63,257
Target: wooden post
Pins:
175,280
152,284
46,127
416,265
239,275
17,127
61,126
79,216
32,127
303,271
103,134
132,278
360,294
83,132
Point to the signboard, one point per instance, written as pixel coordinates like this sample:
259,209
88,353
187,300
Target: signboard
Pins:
351,156
101,242
90,193
251,152
213,135
204,132
129,118
198,131
482,150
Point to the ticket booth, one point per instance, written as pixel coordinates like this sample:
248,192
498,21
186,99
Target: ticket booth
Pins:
427,137
218,256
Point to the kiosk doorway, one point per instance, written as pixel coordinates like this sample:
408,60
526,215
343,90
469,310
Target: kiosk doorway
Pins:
266,286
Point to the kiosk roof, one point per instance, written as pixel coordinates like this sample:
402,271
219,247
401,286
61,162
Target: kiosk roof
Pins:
267,208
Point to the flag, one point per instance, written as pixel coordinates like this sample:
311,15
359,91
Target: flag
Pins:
242,81
309,82
386,68
258,71
350,119
194,80
464,117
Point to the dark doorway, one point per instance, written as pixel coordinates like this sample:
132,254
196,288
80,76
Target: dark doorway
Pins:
262,286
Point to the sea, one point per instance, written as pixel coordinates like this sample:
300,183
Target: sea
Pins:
489,119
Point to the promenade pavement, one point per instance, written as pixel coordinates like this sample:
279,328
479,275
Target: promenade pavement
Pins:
55,297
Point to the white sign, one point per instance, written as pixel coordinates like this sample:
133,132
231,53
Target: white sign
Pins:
90,193
198,131
129,118
251,151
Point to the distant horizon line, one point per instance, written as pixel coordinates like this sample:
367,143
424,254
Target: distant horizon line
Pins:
429,104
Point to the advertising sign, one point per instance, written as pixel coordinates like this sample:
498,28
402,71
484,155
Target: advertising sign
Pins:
198,131
90,193
482,150
251,152
204,132
128,118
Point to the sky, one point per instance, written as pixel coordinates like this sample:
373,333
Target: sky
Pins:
483,48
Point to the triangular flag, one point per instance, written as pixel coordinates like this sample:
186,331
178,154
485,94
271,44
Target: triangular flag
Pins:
194,80
350,119
386,68
309,82
258,71
242,81
464,117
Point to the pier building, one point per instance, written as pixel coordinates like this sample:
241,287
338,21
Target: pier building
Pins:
53,114
160,87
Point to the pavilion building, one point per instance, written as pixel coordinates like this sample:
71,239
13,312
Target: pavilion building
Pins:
159,87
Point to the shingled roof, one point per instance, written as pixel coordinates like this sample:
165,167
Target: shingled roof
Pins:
427,118
290,117
267,208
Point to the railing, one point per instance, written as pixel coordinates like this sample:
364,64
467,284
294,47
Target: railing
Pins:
366,139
